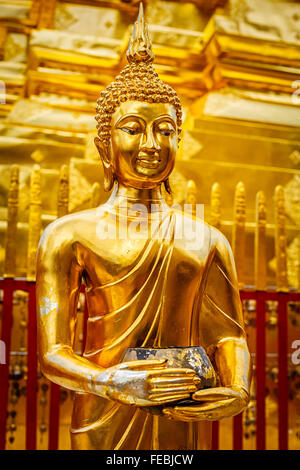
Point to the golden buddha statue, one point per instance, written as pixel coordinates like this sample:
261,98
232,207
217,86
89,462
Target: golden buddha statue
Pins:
143,290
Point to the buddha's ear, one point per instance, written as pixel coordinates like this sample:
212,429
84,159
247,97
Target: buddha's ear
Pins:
104,152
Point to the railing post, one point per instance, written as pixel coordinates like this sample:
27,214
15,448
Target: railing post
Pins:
283,385
215,435
54,416
260,371
282,290
32,371
7,312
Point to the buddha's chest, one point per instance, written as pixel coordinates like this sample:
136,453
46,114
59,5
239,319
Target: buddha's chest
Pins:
132,273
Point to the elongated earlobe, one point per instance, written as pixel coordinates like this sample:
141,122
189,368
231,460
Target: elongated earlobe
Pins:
108,177
167,186
106,162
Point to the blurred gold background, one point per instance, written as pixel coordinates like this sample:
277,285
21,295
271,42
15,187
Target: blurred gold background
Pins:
236,66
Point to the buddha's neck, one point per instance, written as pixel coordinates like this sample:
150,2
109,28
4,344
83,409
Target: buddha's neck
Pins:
126,196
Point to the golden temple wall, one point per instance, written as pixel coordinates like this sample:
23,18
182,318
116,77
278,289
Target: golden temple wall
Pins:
236,66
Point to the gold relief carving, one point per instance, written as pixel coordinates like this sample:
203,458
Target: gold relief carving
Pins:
12,221
293,263
34,222
63,17
37,156
175,15
15,11
238,231
292,199
260,246
280,240
41,115
93,46
233,103
63,192
16,47
90,20
295,157
292,210
215,206
248,18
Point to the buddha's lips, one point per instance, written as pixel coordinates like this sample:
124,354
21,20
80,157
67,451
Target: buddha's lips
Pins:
148,161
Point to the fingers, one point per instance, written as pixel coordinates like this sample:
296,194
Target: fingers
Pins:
173,381
209,411
205,407
161,399
173,372
186,389
171,388
215,394
145,365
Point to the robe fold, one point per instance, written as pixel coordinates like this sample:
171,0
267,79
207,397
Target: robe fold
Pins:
171,296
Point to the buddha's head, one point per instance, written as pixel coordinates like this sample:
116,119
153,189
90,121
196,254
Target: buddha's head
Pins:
139,118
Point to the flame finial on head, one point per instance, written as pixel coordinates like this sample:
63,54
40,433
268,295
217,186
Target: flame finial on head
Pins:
140,48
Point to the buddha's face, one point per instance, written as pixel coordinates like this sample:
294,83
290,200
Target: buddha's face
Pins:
143,143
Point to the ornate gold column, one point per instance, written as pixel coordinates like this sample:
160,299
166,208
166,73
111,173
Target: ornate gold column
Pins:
260,245
12,222
238,231
215,205
191,196
280,241
63,192
35,221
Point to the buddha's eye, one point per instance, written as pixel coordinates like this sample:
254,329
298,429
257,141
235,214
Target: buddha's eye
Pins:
131,128
166,132
165,129
130,131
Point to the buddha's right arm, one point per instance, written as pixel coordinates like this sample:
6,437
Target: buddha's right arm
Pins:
58,286
59,272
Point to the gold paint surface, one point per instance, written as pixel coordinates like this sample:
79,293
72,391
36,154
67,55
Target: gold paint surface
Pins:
238,230
143,290
280,240
34,222
260,261
215,204
63,192
12,222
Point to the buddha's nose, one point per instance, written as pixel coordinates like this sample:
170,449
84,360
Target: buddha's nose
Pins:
150,145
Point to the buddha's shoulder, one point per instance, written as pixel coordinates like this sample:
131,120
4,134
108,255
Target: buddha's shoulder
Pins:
69,228
213,237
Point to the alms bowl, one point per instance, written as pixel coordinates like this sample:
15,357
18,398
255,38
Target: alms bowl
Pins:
193,357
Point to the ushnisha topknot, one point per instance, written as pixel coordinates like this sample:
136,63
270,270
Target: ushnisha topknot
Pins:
138,81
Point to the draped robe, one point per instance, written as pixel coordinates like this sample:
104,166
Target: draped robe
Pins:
166,295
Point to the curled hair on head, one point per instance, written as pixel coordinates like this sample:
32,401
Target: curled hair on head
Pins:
138,81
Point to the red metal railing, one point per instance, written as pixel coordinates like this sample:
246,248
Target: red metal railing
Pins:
10,285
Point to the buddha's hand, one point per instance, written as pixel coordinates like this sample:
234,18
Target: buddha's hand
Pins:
145,383
216,403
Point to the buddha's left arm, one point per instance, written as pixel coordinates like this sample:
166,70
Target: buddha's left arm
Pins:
222,333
